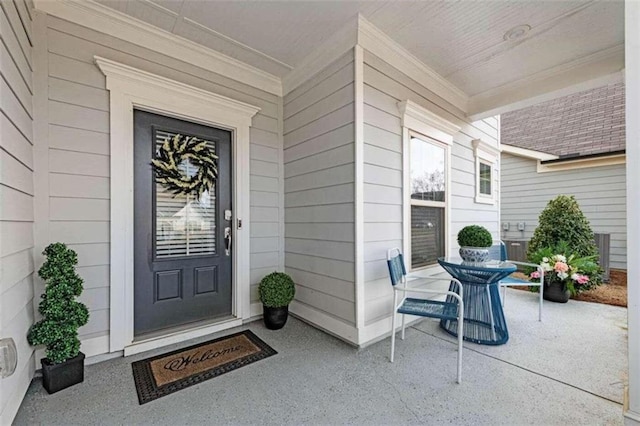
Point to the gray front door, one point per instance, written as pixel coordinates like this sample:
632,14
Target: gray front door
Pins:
182,270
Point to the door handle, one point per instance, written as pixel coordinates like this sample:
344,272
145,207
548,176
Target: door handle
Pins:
227,240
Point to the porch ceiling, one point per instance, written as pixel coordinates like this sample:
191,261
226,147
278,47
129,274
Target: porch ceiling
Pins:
465,42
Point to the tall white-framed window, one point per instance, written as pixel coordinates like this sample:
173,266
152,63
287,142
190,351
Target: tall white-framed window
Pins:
429,172
486,159
426,147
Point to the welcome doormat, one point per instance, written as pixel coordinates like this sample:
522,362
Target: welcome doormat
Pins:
161,375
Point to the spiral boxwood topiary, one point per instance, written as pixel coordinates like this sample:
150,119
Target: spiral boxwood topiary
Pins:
276,290
62,314
474,236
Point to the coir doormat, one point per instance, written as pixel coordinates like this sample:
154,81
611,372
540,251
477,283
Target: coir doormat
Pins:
161,375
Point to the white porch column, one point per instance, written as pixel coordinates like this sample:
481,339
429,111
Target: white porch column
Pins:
632,77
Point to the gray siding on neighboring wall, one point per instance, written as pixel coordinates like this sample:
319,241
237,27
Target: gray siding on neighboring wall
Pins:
79,155
16,197
384,88
319,190
601,192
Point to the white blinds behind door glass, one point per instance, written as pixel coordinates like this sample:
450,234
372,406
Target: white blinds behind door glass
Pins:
184,226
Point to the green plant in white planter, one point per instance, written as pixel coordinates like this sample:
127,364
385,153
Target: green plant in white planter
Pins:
276,292
62,316
474,241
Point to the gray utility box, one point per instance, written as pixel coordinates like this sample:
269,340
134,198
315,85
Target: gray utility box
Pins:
517,250
603,242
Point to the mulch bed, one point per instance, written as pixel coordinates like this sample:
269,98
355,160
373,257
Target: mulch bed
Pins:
612,293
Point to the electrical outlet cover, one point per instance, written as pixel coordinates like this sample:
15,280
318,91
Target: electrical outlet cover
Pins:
8,357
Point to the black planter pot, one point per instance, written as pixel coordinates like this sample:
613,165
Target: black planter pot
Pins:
56,377
275,318
556,292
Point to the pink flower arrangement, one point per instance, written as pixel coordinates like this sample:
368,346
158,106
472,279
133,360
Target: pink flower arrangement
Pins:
569,270
560,267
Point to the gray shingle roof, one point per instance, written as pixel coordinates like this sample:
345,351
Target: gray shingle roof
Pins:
584,123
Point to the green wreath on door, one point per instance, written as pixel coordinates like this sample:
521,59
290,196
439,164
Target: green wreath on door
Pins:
178,149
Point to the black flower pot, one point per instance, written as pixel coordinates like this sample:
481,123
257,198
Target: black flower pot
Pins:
556,292
56,377
275,318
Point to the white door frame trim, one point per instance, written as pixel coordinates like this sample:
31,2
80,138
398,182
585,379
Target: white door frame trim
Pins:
133,88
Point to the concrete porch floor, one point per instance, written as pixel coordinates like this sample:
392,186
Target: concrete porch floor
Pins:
568,369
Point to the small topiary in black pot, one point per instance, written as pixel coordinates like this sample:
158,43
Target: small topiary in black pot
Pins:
276,292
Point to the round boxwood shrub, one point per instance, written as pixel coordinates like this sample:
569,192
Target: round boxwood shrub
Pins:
475,236
276,290
562,221
62,314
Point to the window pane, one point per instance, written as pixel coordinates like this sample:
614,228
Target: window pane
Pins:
427,171
485,179
427,235
184,226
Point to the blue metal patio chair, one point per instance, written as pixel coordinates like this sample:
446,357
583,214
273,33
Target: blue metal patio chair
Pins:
498,251
451,311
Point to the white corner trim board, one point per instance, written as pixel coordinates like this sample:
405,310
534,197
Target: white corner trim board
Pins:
116,24
358,96
131,89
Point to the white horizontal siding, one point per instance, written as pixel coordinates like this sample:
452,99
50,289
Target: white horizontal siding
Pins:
16,198
14,142
319,191
600,191
78,141
384,88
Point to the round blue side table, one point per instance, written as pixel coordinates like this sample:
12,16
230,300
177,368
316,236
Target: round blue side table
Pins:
484,321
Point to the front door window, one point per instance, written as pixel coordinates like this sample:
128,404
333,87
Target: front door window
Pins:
185,226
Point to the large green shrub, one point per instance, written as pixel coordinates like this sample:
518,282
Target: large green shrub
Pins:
276,290
474,236
62,314
563,221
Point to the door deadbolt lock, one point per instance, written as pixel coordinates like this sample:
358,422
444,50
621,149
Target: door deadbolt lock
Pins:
228,215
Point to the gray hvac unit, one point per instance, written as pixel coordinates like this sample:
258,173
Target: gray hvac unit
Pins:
517,249
603,242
